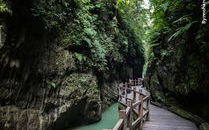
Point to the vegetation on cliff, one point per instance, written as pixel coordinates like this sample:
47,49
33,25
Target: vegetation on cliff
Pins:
60,55
178,63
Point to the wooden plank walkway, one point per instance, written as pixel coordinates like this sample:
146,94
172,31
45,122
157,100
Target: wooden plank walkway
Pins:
162,119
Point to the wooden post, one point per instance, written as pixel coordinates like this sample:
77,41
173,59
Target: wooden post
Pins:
130,117
122,87
126,92
140,91
134,94
132,82
128,85
122,115
142,81
119,92
129,81
138,81
140,111
148,107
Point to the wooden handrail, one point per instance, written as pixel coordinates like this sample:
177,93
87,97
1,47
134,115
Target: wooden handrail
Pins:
138,105
132,90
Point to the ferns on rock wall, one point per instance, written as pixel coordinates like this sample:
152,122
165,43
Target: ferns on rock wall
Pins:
92,30
180,62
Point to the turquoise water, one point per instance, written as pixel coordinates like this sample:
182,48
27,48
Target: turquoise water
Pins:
109,119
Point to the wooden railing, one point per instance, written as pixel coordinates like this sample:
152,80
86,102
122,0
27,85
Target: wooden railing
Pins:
137,106
136,82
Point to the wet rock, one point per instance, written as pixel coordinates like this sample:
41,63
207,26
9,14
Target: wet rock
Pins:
55,108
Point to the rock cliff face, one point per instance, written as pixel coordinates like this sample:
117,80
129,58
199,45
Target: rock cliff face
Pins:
178,75
40,92
45,107
48,82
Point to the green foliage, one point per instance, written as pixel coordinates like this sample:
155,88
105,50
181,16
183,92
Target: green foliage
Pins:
169,23
80,57
4,7
178,46
164,6
90,29
84,34
135,18
52,12
182,19
52,84
181,30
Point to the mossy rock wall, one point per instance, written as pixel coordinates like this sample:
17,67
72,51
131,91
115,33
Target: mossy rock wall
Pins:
178,71
58,60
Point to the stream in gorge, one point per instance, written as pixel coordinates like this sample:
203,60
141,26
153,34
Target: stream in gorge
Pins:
108,121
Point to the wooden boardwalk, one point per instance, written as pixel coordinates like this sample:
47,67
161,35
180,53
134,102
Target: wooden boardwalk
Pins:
162,119
159,118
